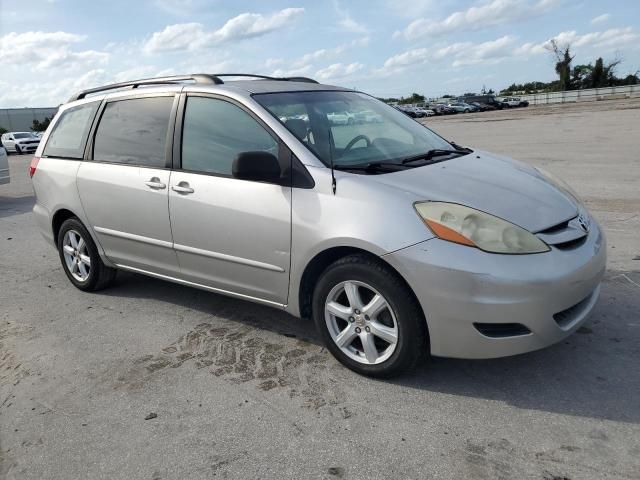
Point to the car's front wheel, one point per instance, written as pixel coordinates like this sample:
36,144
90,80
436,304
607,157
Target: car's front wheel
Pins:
80,258
368,317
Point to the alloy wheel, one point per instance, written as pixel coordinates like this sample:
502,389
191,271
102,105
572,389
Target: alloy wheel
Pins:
76,255
361,322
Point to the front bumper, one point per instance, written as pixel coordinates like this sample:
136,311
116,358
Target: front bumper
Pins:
28,148
458,286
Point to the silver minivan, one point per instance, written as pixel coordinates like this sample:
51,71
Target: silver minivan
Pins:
397,242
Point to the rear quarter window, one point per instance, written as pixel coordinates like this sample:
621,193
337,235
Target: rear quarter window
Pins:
69,134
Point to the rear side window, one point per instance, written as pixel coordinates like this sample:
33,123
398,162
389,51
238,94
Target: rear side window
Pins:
70,132
215,132
134,132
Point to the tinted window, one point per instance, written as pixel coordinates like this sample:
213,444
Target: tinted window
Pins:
215,131
134,132
70,132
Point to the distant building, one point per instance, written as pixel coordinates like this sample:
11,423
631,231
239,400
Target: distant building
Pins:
21,119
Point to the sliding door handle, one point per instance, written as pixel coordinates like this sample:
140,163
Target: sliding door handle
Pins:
182,188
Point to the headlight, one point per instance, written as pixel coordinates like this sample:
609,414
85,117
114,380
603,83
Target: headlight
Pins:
464,225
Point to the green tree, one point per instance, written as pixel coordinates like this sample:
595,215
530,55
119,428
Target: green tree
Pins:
563,63
38,126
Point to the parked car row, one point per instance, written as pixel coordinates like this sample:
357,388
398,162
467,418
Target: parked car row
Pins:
416,112
466,104
20,142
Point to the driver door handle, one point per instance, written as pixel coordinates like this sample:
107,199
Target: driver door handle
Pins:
182,188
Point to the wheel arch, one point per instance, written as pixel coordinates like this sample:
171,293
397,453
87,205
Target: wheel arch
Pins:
58,219
61,215
319,263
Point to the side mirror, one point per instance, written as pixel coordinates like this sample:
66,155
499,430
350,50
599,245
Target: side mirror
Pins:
257,167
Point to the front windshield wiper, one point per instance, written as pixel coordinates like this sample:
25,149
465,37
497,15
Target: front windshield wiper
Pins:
372,166
461,148
428,155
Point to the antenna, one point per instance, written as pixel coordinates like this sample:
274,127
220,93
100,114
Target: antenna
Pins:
333,175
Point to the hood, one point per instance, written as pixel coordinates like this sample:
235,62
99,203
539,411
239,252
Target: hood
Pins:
494,184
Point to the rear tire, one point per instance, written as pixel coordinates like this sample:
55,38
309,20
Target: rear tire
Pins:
364,306
80,258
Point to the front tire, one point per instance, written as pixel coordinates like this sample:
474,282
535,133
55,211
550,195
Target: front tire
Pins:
80,258
368,318
18,150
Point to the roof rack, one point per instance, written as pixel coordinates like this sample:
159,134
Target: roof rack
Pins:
198,78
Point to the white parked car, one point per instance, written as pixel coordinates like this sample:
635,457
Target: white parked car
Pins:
20,142
425,112
341,118
368,116
512,102
4,167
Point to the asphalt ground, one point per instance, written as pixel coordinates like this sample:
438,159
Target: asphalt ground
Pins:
245,391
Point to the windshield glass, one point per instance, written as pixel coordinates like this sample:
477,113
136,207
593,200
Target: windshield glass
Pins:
354,128
22,135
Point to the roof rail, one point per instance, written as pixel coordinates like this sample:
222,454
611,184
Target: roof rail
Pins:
266,77
203,78
199,78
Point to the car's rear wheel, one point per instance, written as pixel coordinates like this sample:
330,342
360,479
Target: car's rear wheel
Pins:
80,258
368,318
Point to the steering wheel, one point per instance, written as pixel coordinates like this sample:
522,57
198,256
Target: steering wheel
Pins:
354,141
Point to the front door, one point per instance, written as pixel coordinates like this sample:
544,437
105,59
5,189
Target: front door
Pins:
229,234
124,188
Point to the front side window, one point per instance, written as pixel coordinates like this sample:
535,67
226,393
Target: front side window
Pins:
214,132
134,132
70,132
350,128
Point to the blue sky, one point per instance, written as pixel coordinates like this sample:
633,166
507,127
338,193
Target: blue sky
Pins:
50,48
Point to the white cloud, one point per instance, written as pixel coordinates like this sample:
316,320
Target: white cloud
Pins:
338,70
486,15
459,53
45,50
604,41
346,22
412,9
487,52
49,92
302,71
600,19
410,57
503,48
181,7
193,36
327,53
304,64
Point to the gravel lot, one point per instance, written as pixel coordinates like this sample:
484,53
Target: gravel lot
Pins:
243,391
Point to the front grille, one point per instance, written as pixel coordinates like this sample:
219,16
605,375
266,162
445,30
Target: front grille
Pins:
556,228
566,317
502,330
565,235
575,243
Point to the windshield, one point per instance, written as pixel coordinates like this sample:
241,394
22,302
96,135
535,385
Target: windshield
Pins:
22,135
354,128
